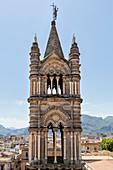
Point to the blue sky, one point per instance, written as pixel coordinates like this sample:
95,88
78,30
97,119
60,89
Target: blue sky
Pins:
92,23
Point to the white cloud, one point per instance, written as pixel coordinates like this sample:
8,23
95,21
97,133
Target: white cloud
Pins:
21,102
13,122
85,112
85,103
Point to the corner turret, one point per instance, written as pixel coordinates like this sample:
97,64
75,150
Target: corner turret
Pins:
74,58
74,51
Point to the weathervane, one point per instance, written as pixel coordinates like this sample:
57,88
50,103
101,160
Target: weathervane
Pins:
55,10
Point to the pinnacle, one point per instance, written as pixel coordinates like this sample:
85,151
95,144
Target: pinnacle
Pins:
74,47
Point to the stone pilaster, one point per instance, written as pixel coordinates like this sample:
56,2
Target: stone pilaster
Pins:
34,84
64,140
79,141
75,147
31,87
64,85
30,147
39,85
78,87
35,135
46,130
70,87
38,146
71,136
75,87
45,82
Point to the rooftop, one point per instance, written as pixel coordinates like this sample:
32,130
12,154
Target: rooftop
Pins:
98,165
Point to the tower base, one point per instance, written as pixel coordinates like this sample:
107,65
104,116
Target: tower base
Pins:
56,167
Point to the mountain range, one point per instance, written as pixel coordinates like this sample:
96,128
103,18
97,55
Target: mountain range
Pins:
90,124
13,131
93,124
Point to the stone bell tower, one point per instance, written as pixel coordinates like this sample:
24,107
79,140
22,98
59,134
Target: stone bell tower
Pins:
55,107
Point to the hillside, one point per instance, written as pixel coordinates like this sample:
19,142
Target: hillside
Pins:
90,124
13,131
93,124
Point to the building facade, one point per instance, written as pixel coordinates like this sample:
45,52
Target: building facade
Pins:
55,106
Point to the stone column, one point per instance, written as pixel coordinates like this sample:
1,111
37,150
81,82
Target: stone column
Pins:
67,84
42,154
55,156
79,141
64,85
37,87
45,78
30,147
51,78
78,87
46,146
71,136
64,138
57,79
35,135
75,147
34,87
70,87
31,87
39,146
75,87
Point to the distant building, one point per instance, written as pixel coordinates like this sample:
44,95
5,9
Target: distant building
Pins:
6,163
89,144
9,161
24,158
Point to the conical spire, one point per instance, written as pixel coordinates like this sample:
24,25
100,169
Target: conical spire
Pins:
53,42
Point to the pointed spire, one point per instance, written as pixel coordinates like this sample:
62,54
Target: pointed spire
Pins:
53,42
74,48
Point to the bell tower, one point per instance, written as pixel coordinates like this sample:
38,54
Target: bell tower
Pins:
55,106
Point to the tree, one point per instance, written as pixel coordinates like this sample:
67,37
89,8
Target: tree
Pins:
107,144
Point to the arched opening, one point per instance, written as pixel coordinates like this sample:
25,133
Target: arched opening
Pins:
60,144
48,85
54,84
50,155
51,144
2,167
95,148
60,85
26,155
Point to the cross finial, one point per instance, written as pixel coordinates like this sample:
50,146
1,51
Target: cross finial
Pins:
55,10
